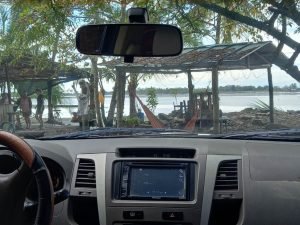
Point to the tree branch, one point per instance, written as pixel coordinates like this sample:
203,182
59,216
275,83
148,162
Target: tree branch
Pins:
249,21
281,36
281,44
272,20
295,16
286,8
183,14
292,59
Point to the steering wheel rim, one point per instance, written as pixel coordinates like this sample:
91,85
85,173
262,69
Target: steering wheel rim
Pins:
40,172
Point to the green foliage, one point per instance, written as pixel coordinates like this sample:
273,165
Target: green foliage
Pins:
57,94
262,106
293,86
152,101
130,121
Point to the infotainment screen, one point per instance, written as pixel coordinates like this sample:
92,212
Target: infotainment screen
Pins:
158,182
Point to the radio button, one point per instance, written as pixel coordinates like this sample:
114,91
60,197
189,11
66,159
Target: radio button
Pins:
133,214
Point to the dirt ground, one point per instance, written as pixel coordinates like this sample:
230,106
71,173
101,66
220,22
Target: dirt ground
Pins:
252,120
48,129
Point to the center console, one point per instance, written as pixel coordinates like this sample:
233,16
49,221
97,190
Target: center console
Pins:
154,190
157,187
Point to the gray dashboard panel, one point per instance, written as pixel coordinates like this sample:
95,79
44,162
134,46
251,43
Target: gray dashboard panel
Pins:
271,194
274,162
270,171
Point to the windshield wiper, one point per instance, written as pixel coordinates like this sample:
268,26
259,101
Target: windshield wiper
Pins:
280,135
118,132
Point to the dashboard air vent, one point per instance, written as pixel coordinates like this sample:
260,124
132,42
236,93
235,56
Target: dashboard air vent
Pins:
86,177
156,153
227,176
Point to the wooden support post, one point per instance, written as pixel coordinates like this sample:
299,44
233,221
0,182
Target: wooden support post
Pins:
271,95
215,98
181,109
191,105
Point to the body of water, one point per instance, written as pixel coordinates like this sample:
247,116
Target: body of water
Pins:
232,102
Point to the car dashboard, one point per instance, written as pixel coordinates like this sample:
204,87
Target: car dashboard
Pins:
174,181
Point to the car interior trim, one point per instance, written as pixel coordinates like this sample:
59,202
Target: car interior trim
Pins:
100,164
212,163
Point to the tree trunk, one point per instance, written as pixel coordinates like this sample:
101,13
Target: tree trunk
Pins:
123,11
92,99
132,93
113,102
54,53
215,92
96,91
112,107
121,86
271,96
102,109
8,83
102,103
191,106
215,83
218,29
50,106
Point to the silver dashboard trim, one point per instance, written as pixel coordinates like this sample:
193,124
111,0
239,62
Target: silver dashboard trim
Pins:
212,163
100,164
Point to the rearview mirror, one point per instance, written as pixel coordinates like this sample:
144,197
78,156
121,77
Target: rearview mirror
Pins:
143,40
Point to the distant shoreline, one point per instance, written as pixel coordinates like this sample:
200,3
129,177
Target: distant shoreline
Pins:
71,95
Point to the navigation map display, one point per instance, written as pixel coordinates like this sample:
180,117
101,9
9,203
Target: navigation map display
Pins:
158,183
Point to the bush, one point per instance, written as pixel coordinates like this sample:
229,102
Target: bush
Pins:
152,101
130,122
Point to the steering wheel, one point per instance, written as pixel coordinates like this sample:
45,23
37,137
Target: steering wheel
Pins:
13,186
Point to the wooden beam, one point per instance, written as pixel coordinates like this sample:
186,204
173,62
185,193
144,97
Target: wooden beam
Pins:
271,95
215,92
191,106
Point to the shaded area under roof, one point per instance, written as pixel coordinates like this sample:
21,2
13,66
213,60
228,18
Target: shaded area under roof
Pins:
24,69
237,56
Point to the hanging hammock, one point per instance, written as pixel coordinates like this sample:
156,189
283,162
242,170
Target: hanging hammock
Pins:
154,121
190,126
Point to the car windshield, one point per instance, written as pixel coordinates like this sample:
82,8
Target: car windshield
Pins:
238,71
